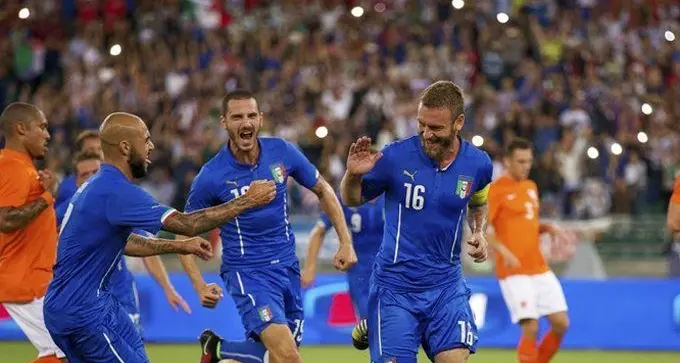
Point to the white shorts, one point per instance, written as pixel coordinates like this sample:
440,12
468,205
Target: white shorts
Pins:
30,319
533,296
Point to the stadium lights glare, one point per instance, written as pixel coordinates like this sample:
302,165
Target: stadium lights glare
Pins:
477,140
457,4
24,13
321,132
379,7
593,153
647,109
669,35
642,137
115,50
616,148
357,11
502,18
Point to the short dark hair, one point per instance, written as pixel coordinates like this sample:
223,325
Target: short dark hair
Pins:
17,112
85,135
84,156
444,94
238,94
518,143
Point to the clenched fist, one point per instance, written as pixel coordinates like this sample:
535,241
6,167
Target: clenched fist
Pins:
261,192
198,247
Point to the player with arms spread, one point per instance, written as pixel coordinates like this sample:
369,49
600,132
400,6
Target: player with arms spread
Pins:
431,182
81,314
530,289
28,233
259,266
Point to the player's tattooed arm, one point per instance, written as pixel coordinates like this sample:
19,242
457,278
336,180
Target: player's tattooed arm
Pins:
331,206
477,218
204,220
140,246
15,218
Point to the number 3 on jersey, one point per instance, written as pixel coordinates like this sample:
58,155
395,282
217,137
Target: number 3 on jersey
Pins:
415,198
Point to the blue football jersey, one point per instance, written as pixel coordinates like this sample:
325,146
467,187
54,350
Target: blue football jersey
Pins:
366,224
66,190
99,219
425,209
261,236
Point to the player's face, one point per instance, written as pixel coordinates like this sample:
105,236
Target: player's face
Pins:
437,130
138,157
36,136
243,122
92,144
85,169
519,163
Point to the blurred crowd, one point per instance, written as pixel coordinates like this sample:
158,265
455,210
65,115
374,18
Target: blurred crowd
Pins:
594,84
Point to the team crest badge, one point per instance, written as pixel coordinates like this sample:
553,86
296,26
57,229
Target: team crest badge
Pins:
266,314
278,172
463,187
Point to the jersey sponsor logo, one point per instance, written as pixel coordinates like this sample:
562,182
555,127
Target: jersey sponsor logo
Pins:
278,172
265,314
464,186
411,175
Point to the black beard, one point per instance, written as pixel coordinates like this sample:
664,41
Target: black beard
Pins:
137,165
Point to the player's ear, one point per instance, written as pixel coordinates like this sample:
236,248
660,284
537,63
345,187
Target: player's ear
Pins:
459,122
125,147
21,128
223,121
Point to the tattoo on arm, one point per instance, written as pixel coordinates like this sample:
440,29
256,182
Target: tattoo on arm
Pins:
204,220
477,218
15,218
140,246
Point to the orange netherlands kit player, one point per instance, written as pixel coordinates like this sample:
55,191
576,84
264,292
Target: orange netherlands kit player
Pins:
28,233
530,289
673,218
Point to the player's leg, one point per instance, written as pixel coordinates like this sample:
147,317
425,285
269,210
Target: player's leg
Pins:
450,334
292,300
552,304
29,317
393,327
520,298
359,288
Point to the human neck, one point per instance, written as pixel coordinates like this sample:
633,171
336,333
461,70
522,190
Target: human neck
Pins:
123,166
15,145
450,154
245,157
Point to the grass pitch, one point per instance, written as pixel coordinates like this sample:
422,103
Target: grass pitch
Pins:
23,352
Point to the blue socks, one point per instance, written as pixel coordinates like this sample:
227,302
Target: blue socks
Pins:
245,351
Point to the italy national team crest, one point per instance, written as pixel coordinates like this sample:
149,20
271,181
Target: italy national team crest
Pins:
278,172
464,187
265,314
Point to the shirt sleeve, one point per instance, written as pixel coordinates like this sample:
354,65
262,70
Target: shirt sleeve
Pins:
675,197
302,170
200,194
131,206
376,181
14,187
484,178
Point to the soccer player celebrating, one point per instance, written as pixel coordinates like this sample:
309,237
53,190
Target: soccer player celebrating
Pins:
260,268
87,141
530,289
366,225
81,314
28,233
122,283
430,182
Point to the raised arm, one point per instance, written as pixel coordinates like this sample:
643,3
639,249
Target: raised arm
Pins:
360,161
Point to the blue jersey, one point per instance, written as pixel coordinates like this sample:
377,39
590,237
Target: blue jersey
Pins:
425,208
66,190
97,224
366,224
262,236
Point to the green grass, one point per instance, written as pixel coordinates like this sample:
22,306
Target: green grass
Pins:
21,352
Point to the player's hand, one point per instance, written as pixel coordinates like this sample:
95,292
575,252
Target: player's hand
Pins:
47,179
261,192
176,300
361,159
307,276
198,247
480,246
210,294
345,257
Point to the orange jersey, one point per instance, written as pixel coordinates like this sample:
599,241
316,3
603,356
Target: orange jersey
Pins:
675,198
513,213
28,254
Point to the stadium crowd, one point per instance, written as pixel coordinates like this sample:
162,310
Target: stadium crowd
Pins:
593,84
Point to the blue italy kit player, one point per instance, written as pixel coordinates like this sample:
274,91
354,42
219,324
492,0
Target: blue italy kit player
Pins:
86,141
260,269
82,316
418,293
366,225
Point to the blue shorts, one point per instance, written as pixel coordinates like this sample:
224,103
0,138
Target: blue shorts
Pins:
399,322
264,296
113,340
358,291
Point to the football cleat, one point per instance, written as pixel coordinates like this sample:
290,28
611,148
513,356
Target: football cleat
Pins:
359,335
210,343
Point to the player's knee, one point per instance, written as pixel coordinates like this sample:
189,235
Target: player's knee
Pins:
529,328
560,324
285,353
280,343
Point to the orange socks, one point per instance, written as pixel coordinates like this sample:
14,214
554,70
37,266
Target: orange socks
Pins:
48,359
548,347
526,350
